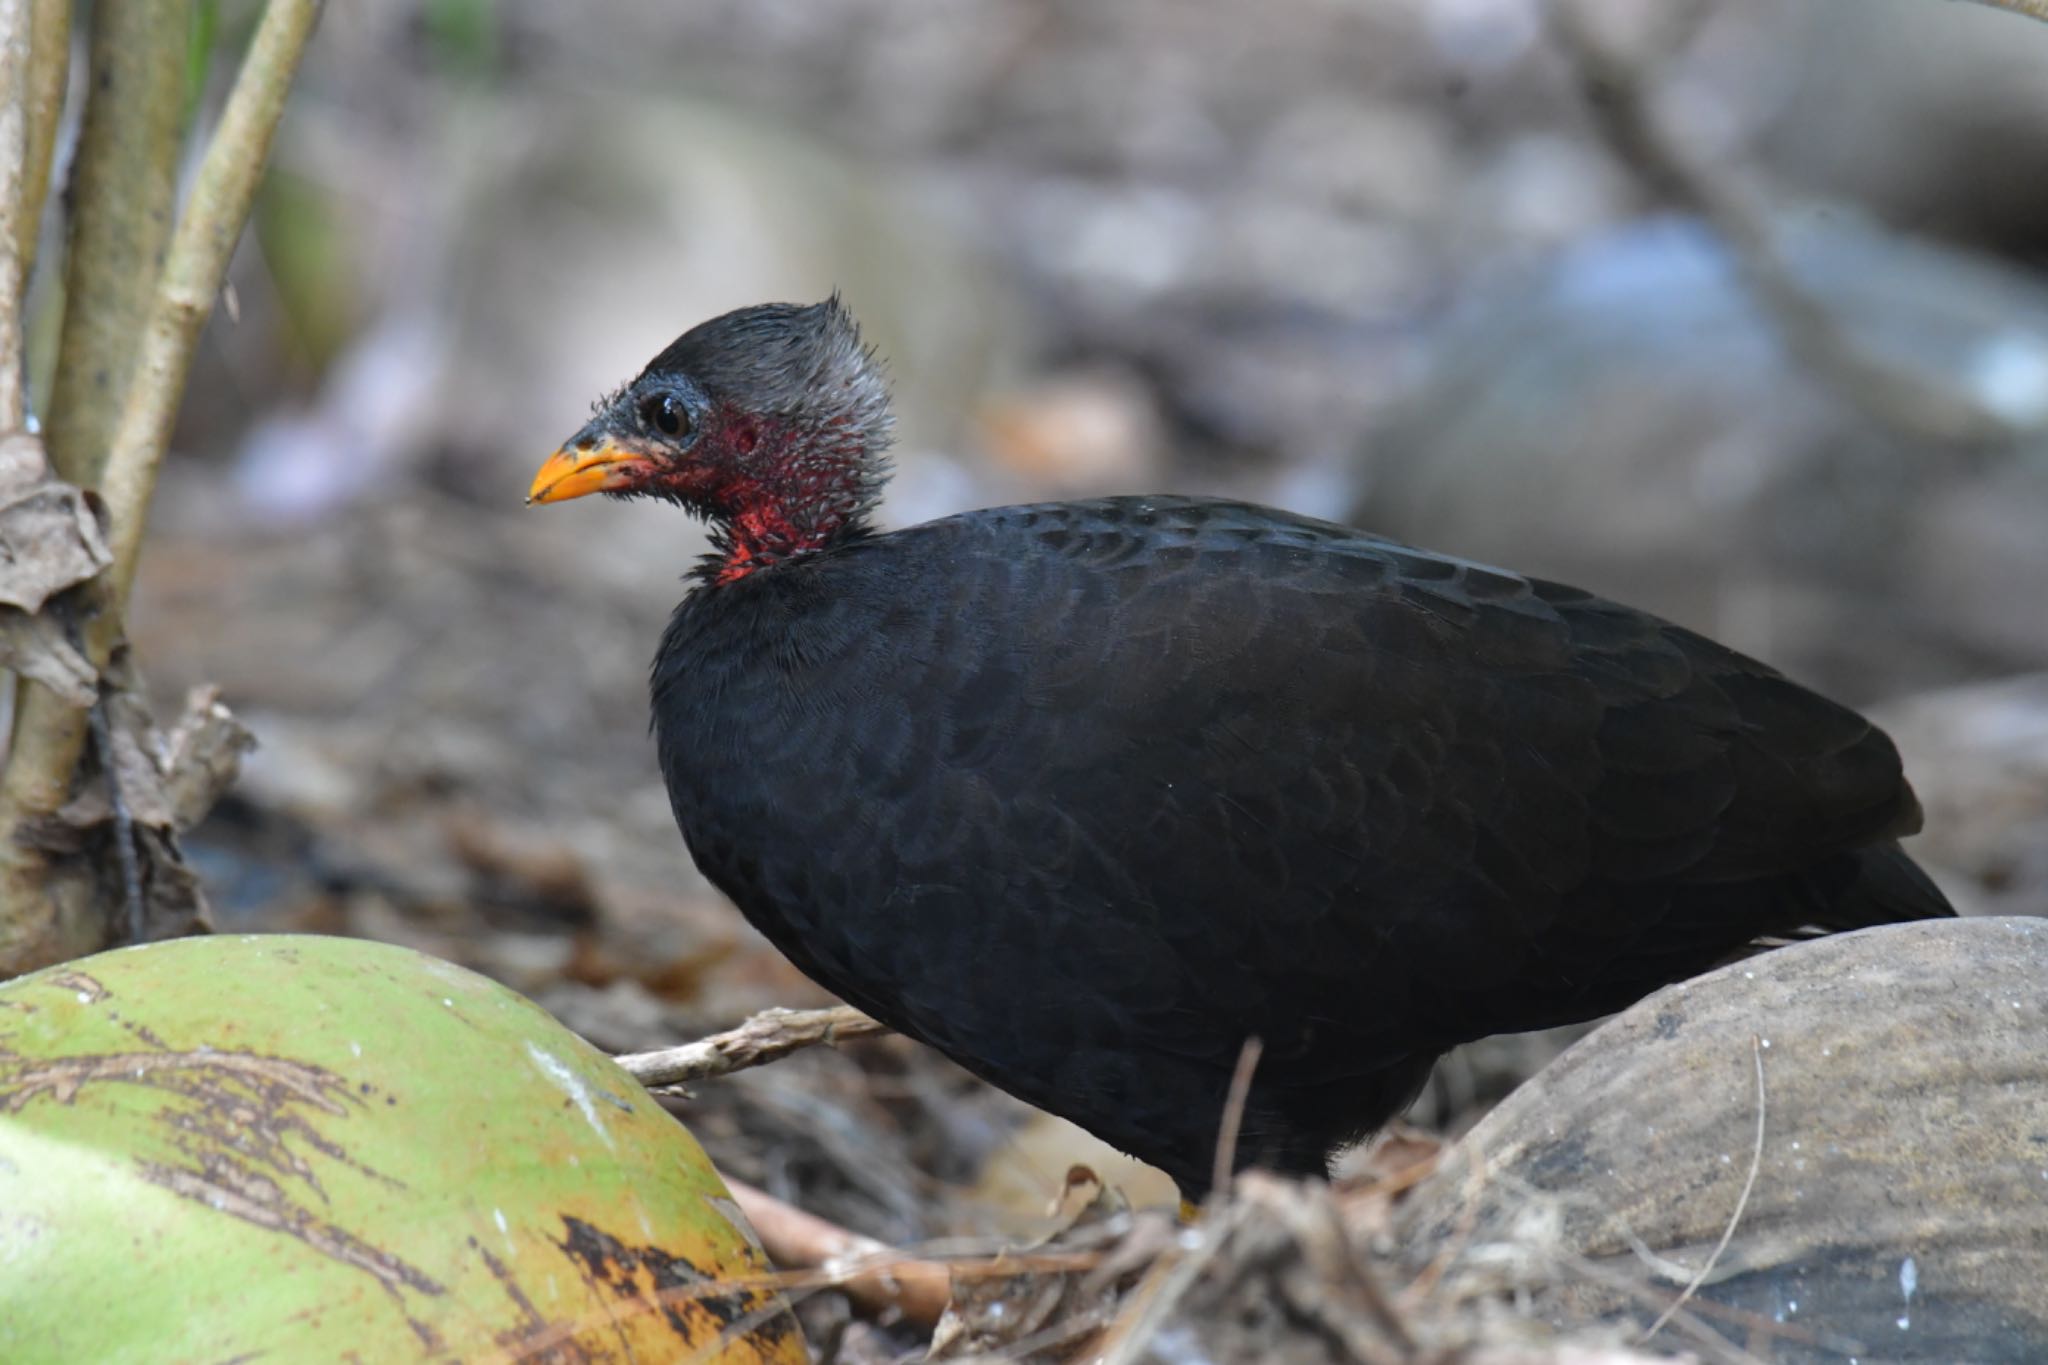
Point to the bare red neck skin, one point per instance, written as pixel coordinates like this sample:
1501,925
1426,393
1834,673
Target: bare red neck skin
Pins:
774,489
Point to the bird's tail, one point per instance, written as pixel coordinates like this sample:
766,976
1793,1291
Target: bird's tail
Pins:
1884,887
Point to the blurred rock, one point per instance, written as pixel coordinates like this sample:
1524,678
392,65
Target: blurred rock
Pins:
1628,421
1537,191
1979,760
1933,115
377,403
1076,434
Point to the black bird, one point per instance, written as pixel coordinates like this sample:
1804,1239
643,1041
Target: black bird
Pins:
1087,794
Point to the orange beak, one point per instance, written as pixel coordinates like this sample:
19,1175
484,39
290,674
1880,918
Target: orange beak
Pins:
577,469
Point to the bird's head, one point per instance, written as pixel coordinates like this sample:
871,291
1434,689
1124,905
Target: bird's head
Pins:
771,422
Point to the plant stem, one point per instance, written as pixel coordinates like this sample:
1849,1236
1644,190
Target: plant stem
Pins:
221,199
40,922
122,192
49,68
122,198
14,78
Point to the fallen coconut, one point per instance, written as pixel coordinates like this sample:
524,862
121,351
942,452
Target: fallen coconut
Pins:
296,1148
1862,1120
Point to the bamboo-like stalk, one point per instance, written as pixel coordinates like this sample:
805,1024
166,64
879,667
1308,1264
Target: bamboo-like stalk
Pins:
222,196
25,920
14,81
38,921
49,70
123,196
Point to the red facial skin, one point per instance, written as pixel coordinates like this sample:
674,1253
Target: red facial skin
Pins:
773,489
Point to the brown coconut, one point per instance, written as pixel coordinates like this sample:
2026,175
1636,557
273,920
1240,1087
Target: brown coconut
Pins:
1897,1202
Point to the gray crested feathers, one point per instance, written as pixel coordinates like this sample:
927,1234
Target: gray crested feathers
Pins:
801,368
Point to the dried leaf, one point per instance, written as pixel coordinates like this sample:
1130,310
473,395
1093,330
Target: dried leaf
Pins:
36,646
167,783
203,757
50,535
83,862
1002,1308
50,540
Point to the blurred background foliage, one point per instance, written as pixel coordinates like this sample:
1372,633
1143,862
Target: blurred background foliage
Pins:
1378,260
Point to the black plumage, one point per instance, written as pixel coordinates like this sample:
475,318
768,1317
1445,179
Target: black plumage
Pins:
1086,794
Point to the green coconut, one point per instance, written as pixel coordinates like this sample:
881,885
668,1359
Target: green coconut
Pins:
298,1148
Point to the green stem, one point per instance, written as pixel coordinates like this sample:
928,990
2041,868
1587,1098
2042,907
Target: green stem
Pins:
41,921
49,68
222,196
14,100
123,195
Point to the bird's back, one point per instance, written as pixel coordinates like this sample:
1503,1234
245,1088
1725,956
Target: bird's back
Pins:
1085,794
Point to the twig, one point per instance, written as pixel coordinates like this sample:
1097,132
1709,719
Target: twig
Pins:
1600,1209
1664,1268
1233,1113
1756,1161
1074,1327
766,1037
122,200
1902,398
14,91
980,1262
1164,1286
1419,1289
1346,1268
872,1274
198,262
1689,1317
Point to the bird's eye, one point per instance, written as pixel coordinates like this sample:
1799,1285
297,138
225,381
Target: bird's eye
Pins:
666,414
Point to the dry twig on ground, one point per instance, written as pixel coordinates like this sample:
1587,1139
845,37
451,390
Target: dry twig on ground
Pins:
1756,1161
879,1279
763,1038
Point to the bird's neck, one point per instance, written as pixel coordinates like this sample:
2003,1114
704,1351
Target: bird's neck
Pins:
793,497
761,537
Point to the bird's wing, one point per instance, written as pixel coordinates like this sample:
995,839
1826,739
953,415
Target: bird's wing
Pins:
1357,684
1311,755
1237,772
